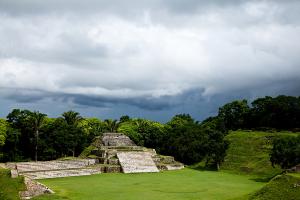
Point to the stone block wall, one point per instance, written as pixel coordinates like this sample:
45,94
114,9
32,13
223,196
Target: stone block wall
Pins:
116,139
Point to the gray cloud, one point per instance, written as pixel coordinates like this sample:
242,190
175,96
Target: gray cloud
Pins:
154,56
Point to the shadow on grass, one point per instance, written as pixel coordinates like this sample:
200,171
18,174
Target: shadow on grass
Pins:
265,178
262,179
202,167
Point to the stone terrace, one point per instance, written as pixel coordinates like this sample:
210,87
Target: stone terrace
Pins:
54,169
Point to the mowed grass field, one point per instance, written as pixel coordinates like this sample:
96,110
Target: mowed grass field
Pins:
184,184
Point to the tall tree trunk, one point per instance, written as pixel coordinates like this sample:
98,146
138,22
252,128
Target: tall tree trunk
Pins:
36,144
218,166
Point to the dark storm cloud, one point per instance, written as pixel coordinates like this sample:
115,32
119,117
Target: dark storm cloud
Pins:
145,103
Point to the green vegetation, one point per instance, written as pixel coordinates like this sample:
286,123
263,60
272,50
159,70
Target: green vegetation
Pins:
9,188
3,130
32,136
171,185
249,153
210,143
286,151
280,187
281,113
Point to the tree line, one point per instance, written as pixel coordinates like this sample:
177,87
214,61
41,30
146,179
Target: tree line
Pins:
280,113
31,135
27,135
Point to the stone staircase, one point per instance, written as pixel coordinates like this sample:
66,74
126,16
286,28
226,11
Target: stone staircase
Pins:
136,162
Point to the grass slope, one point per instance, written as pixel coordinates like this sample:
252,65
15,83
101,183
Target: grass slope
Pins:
249,151
9,188
280,187
171,185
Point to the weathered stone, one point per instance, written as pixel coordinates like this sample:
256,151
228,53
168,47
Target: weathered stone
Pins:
102,160
33,189
53,169
113,169
167,159
116,139
136,162
61,173
161,167
175,167
111,153
14,173
113,161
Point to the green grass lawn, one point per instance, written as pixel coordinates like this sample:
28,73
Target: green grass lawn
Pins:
183,184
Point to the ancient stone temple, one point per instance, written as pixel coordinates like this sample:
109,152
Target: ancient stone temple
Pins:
113,152
117,153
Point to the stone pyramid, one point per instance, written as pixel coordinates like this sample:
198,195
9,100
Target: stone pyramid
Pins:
117,149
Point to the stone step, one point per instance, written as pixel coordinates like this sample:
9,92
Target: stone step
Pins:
60,173
52,165
136,162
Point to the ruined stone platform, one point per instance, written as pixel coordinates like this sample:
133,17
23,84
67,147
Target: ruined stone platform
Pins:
54,169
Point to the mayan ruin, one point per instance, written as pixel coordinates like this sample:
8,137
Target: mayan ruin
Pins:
112,153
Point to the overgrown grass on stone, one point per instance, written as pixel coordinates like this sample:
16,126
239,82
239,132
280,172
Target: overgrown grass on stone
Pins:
249,151
280,187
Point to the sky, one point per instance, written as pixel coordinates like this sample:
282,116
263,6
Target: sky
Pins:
150,59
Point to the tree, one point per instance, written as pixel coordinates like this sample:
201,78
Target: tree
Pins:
191,142
11,148
72,117
214,123
111,125
25,141
216,148
130,129
95,127
282,112
124,118
181,119
286,151
234,114
3,130
186,142
73,134
36,120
